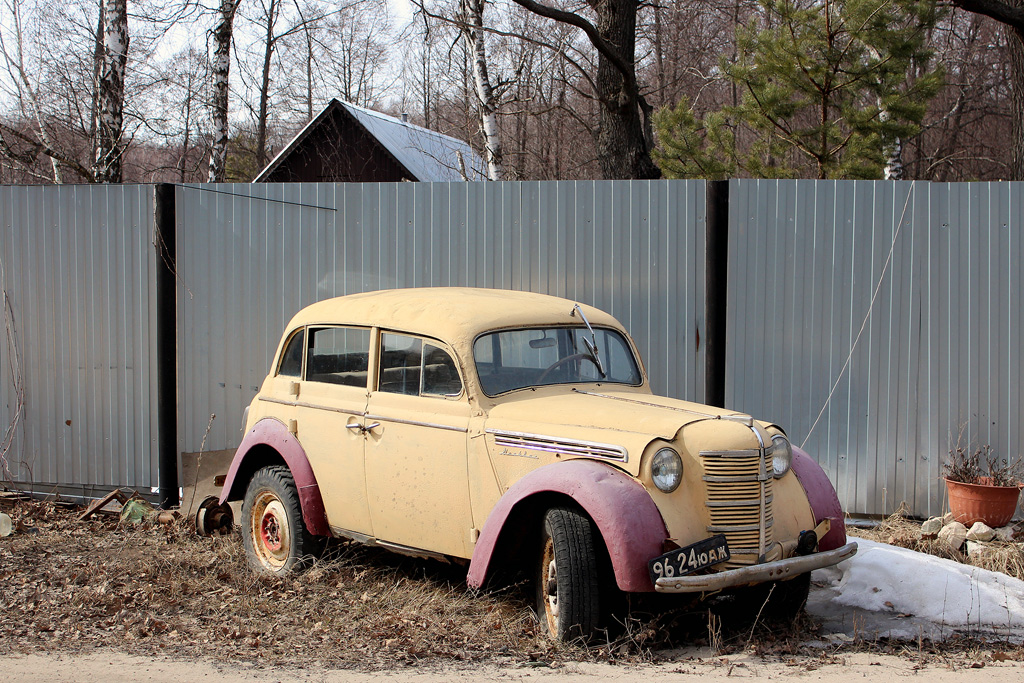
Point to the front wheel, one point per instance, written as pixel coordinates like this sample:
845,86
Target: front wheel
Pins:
274,535
568,592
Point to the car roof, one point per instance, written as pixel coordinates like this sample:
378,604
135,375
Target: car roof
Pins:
452,314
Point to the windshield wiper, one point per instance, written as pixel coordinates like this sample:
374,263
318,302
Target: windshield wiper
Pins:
591,343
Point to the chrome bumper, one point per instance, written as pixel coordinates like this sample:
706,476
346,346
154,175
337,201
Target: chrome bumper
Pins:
780,570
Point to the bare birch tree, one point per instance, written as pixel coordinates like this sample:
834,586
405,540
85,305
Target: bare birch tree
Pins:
486,98
110,145
222,37
26,93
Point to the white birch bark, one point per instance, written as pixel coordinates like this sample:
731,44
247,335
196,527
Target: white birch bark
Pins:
892,146
486,100
109,144
221,71
23,83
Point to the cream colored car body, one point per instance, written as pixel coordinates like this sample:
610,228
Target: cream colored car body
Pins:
422,474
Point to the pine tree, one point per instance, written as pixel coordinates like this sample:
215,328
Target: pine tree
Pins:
829,89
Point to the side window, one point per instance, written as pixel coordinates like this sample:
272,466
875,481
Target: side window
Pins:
408,365
400,359
338,355
440,376
291,359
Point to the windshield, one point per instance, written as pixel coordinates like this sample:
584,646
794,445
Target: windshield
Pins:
515,359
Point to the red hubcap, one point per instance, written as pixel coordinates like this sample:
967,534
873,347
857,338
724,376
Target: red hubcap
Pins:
270,531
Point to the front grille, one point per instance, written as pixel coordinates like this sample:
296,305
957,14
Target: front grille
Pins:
739,499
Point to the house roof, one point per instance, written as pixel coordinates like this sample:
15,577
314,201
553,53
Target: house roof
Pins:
427,155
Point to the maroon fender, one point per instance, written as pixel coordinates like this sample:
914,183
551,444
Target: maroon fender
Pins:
627,518
822,497
271,432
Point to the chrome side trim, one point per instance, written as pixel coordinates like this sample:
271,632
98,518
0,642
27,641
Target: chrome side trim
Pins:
548,444
314,406
780,570
417,423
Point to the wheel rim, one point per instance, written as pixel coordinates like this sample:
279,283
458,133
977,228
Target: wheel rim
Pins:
270,531
549,575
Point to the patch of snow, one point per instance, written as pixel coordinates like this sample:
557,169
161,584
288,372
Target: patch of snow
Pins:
885,578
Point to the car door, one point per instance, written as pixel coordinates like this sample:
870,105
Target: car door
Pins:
416,464
330,406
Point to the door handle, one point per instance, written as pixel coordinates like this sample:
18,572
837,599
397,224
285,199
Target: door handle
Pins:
362,429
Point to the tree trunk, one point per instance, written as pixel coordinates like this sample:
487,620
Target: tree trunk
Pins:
1016,44
624,137
221,70
623,148
97,70
485,99
268,54
109,144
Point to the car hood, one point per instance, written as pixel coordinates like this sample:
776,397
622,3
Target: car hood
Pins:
630,419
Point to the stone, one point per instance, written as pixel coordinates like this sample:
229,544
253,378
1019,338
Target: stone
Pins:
931,527
1005,534
6,525
975,548
980,532
947,518
954,534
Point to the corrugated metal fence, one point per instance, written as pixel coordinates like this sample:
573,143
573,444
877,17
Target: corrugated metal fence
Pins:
892,310
249,256
922,282
76,272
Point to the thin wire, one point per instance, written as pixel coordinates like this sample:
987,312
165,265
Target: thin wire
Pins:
16,378
199,188
864,324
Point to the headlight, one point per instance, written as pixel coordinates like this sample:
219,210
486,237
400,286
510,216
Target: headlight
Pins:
666,470
782,455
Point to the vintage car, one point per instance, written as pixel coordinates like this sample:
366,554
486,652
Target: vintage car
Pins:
508,429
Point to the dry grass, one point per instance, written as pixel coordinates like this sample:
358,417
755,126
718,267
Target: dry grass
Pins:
74,584
66,584
899,530
69,585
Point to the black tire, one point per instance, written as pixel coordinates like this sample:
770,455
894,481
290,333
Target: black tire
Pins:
274,535
568,576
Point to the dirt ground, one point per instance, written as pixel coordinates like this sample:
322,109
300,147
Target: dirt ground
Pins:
96,600
115,666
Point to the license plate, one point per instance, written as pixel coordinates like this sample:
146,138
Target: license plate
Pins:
692,558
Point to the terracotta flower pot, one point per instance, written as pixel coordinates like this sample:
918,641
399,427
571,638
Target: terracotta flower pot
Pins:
993,505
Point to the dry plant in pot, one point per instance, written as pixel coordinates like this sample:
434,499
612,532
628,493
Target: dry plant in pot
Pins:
982,491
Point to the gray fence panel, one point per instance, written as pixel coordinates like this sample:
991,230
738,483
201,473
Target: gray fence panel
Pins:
249,256
77,266
931,272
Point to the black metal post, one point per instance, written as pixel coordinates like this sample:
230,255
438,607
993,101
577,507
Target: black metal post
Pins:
716,290
166,346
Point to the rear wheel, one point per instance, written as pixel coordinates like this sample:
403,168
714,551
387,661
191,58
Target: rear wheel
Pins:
568,587
275,537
